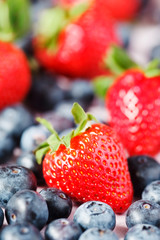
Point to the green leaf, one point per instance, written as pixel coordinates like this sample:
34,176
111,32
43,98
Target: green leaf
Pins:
54,142
152,73
50,24
117,60
101,85
67,139
78,113
154,64
40,153
19,12
6,30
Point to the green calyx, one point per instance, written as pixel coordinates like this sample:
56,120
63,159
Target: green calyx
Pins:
14,19
54,141
53,20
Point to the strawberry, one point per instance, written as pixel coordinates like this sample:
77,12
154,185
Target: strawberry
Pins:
121,10
80,46
14,75
133,103
88,164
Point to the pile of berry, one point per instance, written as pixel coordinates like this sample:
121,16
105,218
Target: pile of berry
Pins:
79,120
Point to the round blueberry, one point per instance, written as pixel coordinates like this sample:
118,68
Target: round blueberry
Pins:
81,91
143,211
14,120
62,229
13,179
143,232
152,192
143,170
20,231
32,137
27,206
6,147
59,204
28,160
95,214
97,234
45,92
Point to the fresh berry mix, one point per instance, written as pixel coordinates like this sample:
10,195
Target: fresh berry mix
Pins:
63,229
143,170
98,234
88,164
13,179
20,231
95,214
152,192
143,211
27,206
59,204
143,232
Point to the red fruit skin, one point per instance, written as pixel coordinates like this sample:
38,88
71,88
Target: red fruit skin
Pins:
120,10
133,103
93,168
15,78
82,45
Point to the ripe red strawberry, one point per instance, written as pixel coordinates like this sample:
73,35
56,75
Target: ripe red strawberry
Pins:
120,10
88,164
81,46
14,75
133,102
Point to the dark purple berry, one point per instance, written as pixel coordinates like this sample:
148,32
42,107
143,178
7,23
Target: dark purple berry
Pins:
62,229
27,206
143,232
20,231
59,204
13,179
152,192
95,214
143,211
98,234
143,170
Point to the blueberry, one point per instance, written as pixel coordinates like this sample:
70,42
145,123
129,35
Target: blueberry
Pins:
14,120
20,231
95,214
63,109
152,192
13,179
6,147
59,204
27,206
32,137
62,229
44,93
143,170
143,211
97,234
81,91
143,232
28,160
